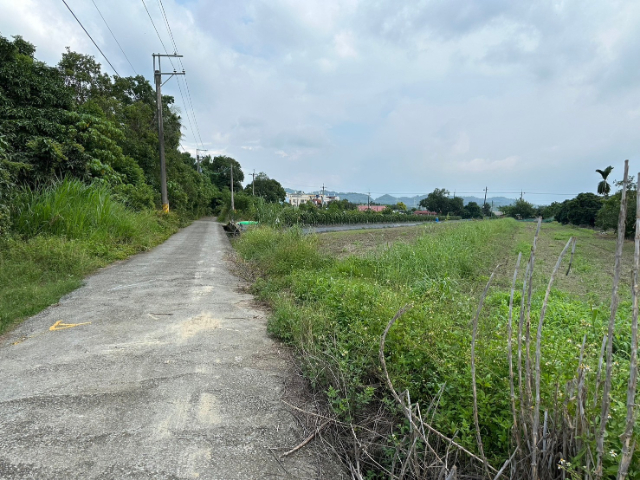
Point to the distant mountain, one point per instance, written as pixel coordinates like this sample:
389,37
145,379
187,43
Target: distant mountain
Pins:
361,198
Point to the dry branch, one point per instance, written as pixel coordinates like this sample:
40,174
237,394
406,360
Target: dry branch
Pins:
606,401
536,412
516,432
412,419
628,443
473,370
306,440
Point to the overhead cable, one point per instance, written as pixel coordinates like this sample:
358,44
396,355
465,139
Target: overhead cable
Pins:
174,68
114,37
186,82
88,35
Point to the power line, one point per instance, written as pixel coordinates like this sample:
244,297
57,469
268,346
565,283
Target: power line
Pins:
186,82
85,31
114,37
174,68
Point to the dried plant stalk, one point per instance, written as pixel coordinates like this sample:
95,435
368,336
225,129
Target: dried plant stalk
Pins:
516,432
628,443
536,412
606,401
473,370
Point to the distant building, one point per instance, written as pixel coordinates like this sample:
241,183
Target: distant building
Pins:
373,208
297,199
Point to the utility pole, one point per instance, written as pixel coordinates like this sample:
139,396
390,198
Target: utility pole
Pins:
198,158
253,183
486,189
322,193
521,194
163,165
233,207
368,200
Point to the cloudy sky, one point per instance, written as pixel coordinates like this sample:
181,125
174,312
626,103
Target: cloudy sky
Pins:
385,96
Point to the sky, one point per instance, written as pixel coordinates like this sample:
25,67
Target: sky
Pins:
383,96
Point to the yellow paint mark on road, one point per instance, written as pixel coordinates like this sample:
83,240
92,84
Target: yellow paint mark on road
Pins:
62,326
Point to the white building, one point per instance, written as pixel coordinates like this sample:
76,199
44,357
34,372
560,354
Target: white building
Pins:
296,199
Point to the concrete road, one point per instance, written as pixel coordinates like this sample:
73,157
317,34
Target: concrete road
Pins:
158,368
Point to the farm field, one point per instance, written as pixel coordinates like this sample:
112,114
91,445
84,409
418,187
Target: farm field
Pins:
333,294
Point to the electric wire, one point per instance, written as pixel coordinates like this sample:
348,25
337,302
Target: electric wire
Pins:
186,82
114,37
174,67
88,35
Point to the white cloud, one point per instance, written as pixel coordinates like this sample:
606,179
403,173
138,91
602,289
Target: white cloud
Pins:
386,96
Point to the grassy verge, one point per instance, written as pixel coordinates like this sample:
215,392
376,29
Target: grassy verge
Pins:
333,311
60,235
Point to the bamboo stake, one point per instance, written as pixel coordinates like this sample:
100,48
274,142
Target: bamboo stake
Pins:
473,371
516,431
573,251
520,326
527,364
606,401
536,412
628,442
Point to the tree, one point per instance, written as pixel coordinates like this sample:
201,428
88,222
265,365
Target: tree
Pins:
607,216
603,187
437,201
581,210
521,209
267,188
218,170
472,210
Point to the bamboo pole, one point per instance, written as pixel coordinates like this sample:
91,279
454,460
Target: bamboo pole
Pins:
536,411
606,401
473,371
628,442
516,431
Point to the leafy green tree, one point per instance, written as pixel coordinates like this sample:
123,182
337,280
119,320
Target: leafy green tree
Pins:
603,187
521,208
580,210
472,210
218,170
267,188
607,216
437,201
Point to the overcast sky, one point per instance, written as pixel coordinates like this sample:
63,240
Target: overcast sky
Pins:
385,96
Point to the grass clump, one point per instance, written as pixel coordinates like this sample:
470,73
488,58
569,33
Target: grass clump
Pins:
60,234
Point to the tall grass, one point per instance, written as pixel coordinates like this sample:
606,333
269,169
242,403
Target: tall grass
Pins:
60,234
75,210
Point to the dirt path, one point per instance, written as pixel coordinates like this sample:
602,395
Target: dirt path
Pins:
156,368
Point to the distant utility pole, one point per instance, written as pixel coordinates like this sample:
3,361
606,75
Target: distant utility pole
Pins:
253,183
198,158
486,189
322,193
368,200
163,166
521,194
233,207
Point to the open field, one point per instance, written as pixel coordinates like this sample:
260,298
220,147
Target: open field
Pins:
333,294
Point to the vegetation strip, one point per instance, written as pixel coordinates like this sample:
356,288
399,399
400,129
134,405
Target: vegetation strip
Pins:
334,312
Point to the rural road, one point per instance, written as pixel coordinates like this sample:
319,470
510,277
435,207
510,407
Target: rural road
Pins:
158,368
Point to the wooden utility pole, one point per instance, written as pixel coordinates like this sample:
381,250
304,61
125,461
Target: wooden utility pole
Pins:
198,158
163,165
233,207
253,182
486,189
